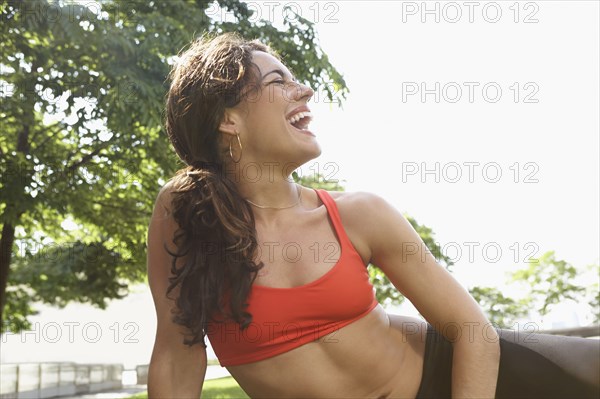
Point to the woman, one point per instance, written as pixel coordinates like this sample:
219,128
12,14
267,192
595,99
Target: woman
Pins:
233,229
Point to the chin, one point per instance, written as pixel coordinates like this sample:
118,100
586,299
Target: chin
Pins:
317,152
306,146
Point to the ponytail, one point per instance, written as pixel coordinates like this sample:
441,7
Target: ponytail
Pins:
217,241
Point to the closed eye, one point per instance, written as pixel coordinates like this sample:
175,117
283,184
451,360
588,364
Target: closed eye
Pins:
280,81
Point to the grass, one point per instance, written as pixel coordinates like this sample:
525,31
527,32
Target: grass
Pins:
219,388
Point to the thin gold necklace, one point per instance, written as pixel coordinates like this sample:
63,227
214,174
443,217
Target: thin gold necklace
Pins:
277,207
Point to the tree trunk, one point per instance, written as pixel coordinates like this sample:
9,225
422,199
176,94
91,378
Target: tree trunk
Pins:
6,243
8,229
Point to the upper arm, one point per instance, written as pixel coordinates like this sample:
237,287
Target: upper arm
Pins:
398,250
160,234
169,335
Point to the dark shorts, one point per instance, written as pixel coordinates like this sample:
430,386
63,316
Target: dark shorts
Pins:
523,373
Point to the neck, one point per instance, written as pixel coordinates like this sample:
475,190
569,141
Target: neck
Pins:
266,189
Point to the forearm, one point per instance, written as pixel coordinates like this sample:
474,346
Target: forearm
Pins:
475,365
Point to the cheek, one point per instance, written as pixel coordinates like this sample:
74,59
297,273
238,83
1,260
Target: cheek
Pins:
266,115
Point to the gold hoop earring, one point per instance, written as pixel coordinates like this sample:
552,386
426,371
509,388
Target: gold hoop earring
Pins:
231,152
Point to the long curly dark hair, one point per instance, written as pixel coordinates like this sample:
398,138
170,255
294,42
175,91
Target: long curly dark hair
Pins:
216,235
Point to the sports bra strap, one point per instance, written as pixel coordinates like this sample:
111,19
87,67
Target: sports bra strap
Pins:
334,215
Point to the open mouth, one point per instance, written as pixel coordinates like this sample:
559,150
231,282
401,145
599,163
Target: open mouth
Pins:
300,121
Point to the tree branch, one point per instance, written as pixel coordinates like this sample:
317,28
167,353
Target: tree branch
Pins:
86,158
23,140
49,137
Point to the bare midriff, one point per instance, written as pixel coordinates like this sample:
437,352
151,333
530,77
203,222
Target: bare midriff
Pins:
377,356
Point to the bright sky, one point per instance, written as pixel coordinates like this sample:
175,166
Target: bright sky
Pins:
514,137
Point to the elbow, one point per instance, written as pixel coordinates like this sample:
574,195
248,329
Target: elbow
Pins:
168,378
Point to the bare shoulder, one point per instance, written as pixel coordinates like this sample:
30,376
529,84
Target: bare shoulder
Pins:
162,225
162,206
167,190
362,214
359,206
371,215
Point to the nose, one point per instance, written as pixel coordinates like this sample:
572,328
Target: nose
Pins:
298,91
308,91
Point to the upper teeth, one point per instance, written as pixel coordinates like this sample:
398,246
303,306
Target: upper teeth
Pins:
299,116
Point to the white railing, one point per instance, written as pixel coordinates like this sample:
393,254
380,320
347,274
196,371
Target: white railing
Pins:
141,372
45,380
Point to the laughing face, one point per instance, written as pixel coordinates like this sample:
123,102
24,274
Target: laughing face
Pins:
274,120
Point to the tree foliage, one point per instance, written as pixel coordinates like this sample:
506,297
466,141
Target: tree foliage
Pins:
545,283
550,281
500,310
83,150
317,180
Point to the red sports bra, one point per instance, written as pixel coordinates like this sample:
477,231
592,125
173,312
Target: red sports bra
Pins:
286,318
